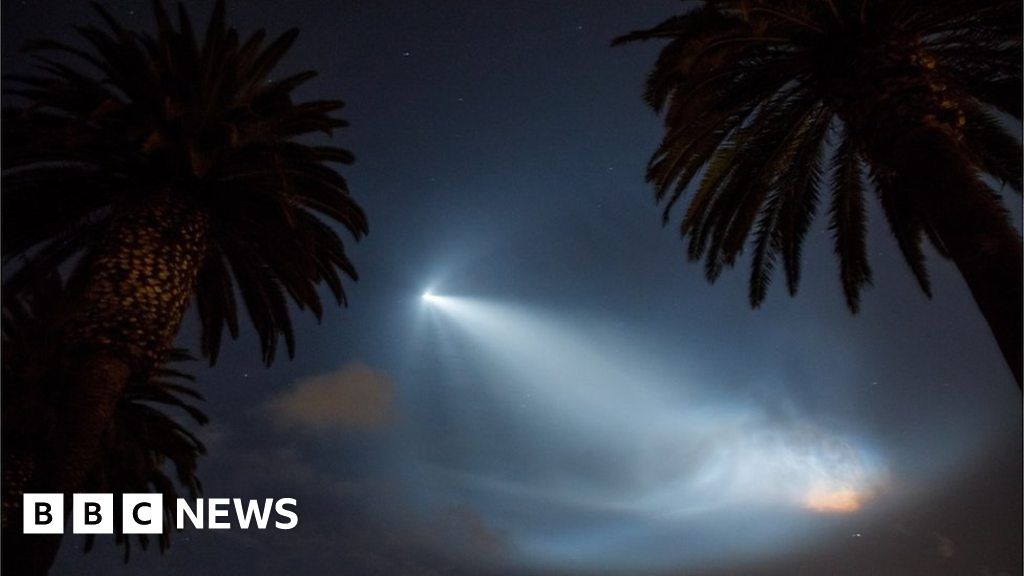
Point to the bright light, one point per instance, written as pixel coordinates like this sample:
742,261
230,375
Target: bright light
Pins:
695,458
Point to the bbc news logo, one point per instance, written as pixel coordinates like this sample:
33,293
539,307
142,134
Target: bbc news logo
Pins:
144,513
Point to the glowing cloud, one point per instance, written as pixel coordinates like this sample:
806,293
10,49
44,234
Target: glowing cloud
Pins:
355,397
840,501
683,460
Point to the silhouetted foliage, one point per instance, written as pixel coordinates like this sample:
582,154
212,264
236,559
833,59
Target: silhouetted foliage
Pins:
147,450
752,90
143,443
764,102
154,167
135,116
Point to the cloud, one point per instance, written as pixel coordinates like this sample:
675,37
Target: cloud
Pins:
841,501
355,397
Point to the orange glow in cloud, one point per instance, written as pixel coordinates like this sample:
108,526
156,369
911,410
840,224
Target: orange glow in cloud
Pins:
841,501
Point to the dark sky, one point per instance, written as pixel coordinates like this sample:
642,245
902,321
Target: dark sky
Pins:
583,401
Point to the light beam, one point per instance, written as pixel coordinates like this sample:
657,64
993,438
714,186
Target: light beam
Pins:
682,458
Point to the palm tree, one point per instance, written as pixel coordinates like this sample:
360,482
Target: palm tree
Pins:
158,167
143,439
137,446
762,98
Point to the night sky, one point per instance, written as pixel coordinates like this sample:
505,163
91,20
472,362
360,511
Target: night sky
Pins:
579,400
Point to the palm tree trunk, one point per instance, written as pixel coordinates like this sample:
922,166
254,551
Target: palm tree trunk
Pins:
911,119
992,268
927,160
135,296
976,231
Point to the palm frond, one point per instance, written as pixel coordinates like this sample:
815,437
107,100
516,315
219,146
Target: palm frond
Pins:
748,91
126,115
848,221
